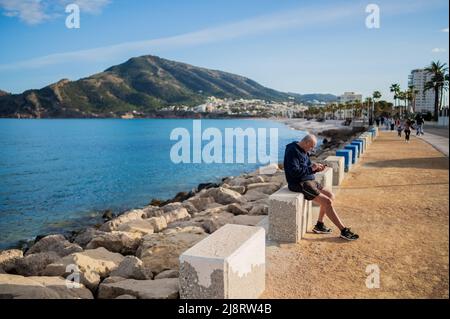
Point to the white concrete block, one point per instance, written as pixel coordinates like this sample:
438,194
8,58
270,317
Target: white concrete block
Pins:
228,264
337,164
286,216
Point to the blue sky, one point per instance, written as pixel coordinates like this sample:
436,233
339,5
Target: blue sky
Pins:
297,46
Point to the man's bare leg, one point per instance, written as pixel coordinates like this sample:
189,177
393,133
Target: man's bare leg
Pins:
326,204
322,211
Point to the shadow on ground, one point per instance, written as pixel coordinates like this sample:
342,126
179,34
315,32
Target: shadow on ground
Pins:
424,163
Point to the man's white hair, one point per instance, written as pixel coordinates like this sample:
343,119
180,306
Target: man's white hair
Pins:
309,138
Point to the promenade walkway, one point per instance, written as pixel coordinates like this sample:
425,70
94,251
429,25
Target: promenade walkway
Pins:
396,199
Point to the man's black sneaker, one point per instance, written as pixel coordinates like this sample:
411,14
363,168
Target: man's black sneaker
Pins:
346,233
320,228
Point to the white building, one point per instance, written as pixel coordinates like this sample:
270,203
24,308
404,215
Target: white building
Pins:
350,97
424,99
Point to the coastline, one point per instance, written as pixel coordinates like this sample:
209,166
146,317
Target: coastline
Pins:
145,243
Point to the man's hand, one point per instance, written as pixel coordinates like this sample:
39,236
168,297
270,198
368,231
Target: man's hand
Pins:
317,167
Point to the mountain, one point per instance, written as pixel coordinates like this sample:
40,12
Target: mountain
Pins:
144,84
2,93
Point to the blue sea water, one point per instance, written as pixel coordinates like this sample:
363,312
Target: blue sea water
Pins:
60,175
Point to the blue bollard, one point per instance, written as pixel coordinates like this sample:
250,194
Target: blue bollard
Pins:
363,142
347,154
360,146
354,150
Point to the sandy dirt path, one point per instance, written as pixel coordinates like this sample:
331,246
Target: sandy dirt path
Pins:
396,198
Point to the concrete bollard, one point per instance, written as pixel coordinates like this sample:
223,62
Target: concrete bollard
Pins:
364,143
337,163
354,150
228,264
368,137
287,216
359,145
347,155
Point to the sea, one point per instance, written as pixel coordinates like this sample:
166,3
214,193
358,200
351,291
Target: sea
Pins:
60,175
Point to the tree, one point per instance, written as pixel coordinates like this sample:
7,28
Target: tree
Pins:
395,88
437,83
375,95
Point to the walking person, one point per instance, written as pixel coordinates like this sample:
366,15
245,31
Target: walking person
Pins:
300,172
419,124
408,125
392,123
398,124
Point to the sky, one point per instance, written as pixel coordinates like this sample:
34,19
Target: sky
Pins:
289,45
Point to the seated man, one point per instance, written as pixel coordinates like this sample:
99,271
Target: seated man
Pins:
300,177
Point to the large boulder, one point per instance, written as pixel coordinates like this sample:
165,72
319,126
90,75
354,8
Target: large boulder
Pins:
239,189
266,188
201,203
55,243
161,251
141,289
176,214
8,258
19,287
254,195
132,267
34,264
172,273
215,221
125,217
237,209
140,226
117,241
93,265
242,181
224,196
84,237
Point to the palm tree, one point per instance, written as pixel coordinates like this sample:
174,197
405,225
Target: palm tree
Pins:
376,95
437,82
395,88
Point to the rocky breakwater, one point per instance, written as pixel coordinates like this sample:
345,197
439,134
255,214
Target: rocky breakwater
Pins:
135,255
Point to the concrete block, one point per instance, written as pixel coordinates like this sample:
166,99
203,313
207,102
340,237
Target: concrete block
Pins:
364,143
286,216
359,147
337,164
228,264
347,155
354,150
325,178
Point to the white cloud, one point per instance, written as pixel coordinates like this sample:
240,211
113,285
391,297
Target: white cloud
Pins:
438,50
445,30
37,11
29,11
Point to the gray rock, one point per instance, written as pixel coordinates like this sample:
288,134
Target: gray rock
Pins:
19,287
126,217
224,196
248,220
141,289
161,251
8,258
117,241
132,267
34,265
126,297
85,236
92,265
237,209
215,221
55,243
172,273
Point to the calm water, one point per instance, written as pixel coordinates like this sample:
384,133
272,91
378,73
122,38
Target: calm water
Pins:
60,174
